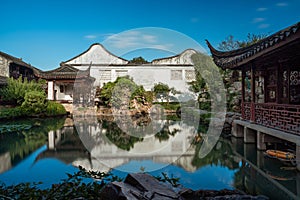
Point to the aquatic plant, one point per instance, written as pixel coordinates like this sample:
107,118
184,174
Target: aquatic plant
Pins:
14,128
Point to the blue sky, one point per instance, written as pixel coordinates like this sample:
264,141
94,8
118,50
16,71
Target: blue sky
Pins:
47,32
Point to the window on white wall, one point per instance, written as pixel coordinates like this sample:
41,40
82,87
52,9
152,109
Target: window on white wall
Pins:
190,75
61,88
176,74
105,75
121,73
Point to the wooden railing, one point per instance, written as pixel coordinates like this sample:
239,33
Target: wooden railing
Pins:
278,116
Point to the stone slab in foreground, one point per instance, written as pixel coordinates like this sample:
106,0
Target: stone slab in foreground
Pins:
142,186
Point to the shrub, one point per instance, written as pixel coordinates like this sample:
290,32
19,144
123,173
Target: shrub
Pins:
8,113
17,88
35,102
54,108
124,88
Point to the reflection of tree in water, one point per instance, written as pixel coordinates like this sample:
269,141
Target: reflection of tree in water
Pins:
22,144
118,137
221,155
165,133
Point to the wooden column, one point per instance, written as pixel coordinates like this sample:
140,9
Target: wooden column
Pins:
252,109
243,85
279,84
243,93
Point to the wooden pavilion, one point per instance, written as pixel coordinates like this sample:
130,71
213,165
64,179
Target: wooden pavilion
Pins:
270,79
68,84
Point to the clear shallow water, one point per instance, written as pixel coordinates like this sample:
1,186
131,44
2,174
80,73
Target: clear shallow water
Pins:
49,150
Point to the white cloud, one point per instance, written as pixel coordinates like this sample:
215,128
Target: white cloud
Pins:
135,39
258,20
282,4
262,26
98,36
261,9
162,46
150,38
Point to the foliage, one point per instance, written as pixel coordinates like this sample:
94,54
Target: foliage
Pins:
120,91
73,187
105,93
9,113
17,88
148,96
169,106
208,84
118,137
124,90
23,136
70,188
219,155
231,44
54,109
205,106
165,133
173,181
34,102
163,90
14,128
30,98
138,60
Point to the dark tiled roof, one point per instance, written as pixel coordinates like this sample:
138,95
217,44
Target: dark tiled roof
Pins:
236,58
64,72
19,61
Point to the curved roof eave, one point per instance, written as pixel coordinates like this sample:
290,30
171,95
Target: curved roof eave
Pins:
234,58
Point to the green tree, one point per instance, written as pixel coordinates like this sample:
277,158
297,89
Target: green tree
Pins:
17,88
35,102
124,90
207,84
231,44
120,91
138,60
163,90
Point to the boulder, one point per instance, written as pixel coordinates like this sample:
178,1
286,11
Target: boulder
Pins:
143,186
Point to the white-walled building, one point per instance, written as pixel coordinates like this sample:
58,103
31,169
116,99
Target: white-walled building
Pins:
105,67
97,66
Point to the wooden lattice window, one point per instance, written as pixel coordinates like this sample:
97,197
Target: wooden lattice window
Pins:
61,89
271,85
295,86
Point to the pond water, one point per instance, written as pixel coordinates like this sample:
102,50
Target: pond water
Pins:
53,147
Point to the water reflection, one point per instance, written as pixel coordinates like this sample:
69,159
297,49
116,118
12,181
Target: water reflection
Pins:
16,146
59,147
111,146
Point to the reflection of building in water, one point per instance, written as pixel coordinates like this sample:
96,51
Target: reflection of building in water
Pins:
260,174
5,161
70,147
64,145
176,149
